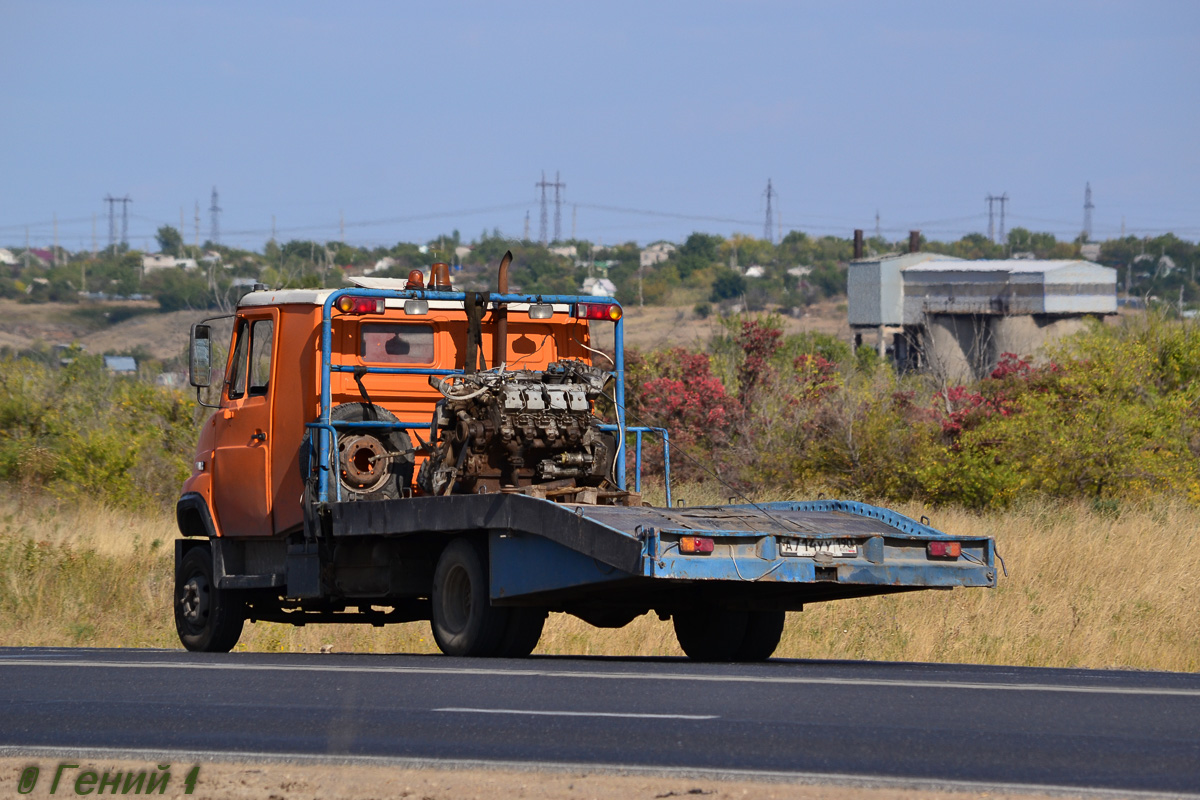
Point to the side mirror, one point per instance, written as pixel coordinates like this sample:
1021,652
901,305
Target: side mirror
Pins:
200,356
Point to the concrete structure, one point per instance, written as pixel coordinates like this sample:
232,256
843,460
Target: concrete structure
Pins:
956,318
656,253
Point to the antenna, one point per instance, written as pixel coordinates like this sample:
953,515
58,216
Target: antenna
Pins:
558,187
215,211
1087,212
542,184
767,225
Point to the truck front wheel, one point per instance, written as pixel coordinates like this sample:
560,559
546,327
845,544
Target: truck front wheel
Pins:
208,619
465,623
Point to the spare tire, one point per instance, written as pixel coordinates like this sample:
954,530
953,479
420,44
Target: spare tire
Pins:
372,464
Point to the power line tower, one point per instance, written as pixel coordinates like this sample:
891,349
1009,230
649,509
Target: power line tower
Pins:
112,221
1087,212
767,230
545,220
558,187
1003,199
990,199
215,214
125,201
525,238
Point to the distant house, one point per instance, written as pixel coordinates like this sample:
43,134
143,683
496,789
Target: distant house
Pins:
656,252
122,365
1090,251
7,258
387,262
599,287
154,261
566,250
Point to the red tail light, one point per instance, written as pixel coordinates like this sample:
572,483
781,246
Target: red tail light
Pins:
360,305
698,545
944,549
608,311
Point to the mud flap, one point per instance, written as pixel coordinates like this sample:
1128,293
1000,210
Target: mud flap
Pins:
303,570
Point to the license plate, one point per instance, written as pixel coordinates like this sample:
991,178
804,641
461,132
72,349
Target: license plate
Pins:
815,547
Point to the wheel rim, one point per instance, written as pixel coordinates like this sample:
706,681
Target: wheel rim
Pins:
194,602
456,599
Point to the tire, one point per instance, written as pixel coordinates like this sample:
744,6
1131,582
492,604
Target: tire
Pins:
361,478
464,621
763,629
710,634
207,619
522,633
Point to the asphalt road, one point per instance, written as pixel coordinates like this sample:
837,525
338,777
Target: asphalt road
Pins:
918,722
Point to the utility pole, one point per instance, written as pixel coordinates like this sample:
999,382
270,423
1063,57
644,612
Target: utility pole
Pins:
545,220
558,187
525,237
342,226
26,247
1087,212
54,249
878,230
767,225
196,229
215,211
991,218
181,232
574,218
272,227
93,235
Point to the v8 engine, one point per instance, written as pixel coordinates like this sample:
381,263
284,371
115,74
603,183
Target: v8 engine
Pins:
507,430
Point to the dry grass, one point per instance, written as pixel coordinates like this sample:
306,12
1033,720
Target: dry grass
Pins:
1084,589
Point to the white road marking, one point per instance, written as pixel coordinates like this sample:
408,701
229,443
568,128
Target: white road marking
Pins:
576,713
934,685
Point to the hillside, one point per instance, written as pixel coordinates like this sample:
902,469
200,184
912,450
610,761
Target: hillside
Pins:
142,327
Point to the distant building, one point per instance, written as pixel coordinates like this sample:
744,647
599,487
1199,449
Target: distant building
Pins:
122,365
656,253
957,317
1090,251
755,271
599,287
7,258
462,251
566,250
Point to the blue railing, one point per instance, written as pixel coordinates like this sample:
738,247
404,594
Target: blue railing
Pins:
326,429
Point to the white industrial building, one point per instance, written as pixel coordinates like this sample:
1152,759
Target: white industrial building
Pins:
957,317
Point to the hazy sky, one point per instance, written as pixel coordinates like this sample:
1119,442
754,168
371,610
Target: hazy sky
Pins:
411,119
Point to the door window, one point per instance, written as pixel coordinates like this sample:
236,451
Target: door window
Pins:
262,337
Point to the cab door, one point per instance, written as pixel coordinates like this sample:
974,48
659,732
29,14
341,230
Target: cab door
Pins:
241,458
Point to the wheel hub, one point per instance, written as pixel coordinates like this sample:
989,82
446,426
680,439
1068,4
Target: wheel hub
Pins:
363,462
194,600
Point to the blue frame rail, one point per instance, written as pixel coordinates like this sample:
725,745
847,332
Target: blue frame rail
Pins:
326,429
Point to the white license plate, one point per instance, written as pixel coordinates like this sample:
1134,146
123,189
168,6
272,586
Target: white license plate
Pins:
815,547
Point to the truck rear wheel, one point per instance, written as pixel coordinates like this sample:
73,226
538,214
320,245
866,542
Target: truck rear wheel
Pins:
207,619
464,621
522,633
710,634
763,629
